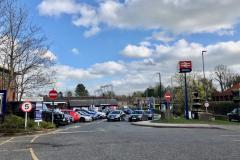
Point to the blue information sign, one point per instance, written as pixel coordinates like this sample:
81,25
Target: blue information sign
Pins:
3,101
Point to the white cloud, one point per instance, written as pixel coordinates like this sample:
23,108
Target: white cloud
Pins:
50,55
92,32
137,75
175,16
75,51
136,51
162,36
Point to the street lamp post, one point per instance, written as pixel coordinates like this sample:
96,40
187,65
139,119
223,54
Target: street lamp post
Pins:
160,86
205,81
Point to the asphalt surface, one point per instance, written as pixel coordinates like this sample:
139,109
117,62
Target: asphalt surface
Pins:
103,140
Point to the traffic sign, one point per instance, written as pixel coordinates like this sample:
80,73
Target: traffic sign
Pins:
26,107
53,94
185,66
167,96
206,104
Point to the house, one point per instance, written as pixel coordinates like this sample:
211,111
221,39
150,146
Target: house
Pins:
226,95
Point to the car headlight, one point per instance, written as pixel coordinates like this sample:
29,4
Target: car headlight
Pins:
139,116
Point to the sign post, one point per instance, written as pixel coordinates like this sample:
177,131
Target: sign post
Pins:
167,97
206,104
53,96
185,67
26,107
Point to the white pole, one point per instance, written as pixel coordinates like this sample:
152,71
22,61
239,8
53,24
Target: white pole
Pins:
25,120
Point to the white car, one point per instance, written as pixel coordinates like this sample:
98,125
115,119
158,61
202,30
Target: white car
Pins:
84,117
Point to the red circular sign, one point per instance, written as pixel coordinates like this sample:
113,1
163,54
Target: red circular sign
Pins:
167,96
53,94
26,107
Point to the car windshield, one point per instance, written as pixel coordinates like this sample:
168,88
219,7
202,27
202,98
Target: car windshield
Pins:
115,112
137,112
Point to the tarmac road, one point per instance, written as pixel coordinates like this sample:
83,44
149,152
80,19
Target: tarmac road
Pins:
101,140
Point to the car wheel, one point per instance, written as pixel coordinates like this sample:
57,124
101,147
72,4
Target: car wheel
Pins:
129,120
230,120
82,119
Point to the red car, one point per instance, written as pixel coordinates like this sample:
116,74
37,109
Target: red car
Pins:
76,116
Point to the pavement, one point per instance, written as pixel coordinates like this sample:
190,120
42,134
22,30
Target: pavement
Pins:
170,125
101,140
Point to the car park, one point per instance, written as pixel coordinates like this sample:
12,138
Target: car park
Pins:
127,111
76,117
138,115
149,114
116,115
234,115
84,117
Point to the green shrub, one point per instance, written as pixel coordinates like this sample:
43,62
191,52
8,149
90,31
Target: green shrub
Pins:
221,108
47,125
15,124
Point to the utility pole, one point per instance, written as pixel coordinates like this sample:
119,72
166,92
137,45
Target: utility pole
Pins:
205,81
160,88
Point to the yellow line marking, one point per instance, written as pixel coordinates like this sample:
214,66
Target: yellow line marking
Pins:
34,157
6,141
34,138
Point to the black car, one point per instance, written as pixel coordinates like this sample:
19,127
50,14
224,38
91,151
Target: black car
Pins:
116,115
59,118
138,115
234,115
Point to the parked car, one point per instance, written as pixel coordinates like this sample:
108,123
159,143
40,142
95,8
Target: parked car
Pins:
59,118
149,114
116,115
92,114
127,111
234,115
76,117
84,117
69,118
138,115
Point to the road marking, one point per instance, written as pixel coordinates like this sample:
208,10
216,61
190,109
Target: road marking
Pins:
15,150
236,140
34,138
229,135
34,157
82,132
6,141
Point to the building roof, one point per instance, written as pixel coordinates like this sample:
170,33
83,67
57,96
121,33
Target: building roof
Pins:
228,92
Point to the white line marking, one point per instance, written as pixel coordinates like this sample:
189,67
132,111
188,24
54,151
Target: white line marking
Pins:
34,138
82,132
230,135
34,157
236,140
6,141
16,150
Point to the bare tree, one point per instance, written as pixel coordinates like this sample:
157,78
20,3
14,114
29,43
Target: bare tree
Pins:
25,51
223,76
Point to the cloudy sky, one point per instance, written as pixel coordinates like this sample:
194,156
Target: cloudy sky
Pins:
126,42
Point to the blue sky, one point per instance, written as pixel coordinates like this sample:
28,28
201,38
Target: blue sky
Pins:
126,42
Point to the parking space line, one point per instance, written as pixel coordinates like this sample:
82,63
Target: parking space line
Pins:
231,135
15,150
34,157
81,132
6,141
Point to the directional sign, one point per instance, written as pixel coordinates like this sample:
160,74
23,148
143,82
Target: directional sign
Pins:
26,107
53,94
167,96
185,66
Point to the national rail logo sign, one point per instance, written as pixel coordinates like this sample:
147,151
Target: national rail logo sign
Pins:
185,66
